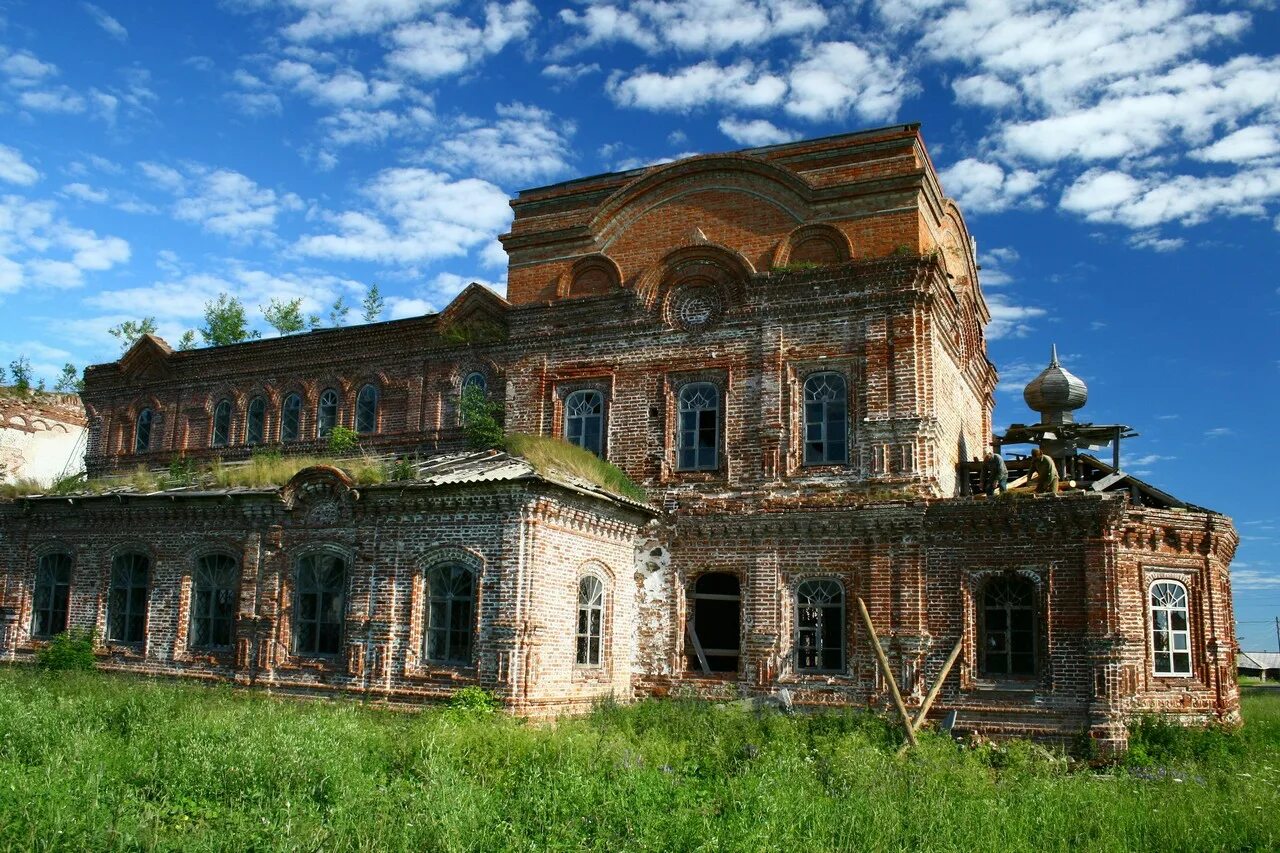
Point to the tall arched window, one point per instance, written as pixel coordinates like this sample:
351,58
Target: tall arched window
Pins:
584,420
319,604
1009,627
52,595
820,625
127,598
222,423
142,431
590,620
213,601
826,420
326,412
256,422
290,417
699,439
451,592
716,644
367,410
1170,629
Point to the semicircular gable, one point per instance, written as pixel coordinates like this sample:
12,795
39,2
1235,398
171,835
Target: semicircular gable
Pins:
755,181
816,242
716,265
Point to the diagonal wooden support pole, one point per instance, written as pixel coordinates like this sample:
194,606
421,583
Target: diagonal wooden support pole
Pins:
888,673
933,692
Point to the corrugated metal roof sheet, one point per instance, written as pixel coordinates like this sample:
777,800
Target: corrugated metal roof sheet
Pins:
1258,660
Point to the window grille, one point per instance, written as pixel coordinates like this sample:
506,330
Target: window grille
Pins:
699,440
127,598
820,625
222,423
826,420
142,431
450,613
256,422
52,595
1009,627
290,417
367,410
213,601
327,413
320,604
590,620
584,420
1170,629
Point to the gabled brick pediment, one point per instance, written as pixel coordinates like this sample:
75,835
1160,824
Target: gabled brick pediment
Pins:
148,358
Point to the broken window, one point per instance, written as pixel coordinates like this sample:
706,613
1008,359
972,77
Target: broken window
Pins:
476,380
127,599
52,595
590,620
367,410
826,419
327,413
1009,627
222,423
715,641
820,625
142,432
699,439
256,422
450,613
584,420
290,415
213,601
319,604
1170,631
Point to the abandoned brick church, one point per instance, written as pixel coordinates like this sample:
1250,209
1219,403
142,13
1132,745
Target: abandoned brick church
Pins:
783,347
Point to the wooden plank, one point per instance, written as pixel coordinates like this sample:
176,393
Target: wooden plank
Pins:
888,672
697,646
937,687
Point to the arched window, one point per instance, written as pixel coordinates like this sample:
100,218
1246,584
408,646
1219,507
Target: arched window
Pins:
476,379
1170,630
820,625
326,412
256,423
319,605
826,420
699,440
1009,627
222,423
142,431
584,420
367,410
451,593
213,601
590,620
127,598
52,595
290,417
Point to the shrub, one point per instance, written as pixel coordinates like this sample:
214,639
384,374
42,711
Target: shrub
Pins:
480,419
67,652
1153,740
342,440
474,701
401,469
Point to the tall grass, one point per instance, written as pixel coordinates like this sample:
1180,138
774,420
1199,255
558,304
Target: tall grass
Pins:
551,454
94,762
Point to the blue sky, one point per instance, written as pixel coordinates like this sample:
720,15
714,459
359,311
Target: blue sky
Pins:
1118,163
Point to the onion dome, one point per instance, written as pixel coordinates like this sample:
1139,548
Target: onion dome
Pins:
1056,393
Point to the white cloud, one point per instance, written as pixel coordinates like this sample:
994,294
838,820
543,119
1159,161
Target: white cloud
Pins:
1247,578
415,215
755,132
22,69
1153,241
1008,319
983,186
1245,145
59,100
1219,432
1110,196
109,25
14,169
399,307
695,26
569,73
326,20
837,78
38,247
222,201
984,90
364,127
448,45
125,202
525,144
344,87
738,85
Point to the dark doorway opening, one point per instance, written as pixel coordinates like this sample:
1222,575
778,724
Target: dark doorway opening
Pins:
715,641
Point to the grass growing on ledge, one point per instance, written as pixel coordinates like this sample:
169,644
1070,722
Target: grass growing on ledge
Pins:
96,762
545,453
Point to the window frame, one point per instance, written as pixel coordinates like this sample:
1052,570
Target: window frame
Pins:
322,431
596,606
199,570
221,423
319,621
256,413
686,389
59,589
824,424
1172,651
131,599
291,411
570,417
985,631
139,445
373,406
449,631
822,646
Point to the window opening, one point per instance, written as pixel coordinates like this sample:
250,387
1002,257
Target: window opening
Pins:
826,419
52,595
820,625
1008,627
222,423
320,604
717,624
127,599
450,608
327,413
142,432
213,605
290,416
255,428
590,620
584,420
699,442
367,410
1170,631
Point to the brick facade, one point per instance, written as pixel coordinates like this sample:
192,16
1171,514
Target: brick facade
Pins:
751,276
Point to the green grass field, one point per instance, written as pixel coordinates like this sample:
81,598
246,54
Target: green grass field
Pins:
97,762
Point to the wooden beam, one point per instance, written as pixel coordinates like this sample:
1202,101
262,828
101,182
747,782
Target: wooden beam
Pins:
697,646
888,672
937,687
